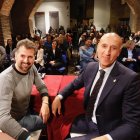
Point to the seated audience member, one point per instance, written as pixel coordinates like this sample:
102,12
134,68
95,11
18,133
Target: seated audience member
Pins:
86,53
39,61
61,45
48,42
37,32
138,63
13,56
128,55
82,40
2,58
54,58
15,90
9,48
112,104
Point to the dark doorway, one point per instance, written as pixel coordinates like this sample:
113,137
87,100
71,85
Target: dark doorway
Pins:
40,22
54,19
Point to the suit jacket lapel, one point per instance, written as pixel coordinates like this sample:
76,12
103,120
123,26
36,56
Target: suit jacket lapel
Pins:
111,81
92,75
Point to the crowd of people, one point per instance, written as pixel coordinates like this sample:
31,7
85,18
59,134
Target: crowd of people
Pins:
115,111
85,41
50,52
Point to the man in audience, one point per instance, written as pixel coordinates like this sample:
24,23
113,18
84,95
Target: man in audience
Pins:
15,90
129,56
86,53
112,112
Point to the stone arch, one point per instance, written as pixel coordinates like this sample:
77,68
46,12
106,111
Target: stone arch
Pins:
5,19
134,6
7,5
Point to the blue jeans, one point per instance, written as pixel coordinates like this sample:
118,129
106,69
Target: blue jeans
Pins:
32,123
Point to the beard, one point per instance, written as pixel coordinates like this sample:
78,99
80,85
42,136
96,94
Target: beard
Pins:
25,67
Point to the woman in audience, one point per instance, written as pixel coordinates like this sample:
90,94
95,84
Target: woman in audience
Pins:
54,58
39,61
87,53
9,51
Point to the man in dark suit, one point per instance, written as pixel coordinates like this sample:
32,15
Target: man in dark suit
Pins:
116,113
129,56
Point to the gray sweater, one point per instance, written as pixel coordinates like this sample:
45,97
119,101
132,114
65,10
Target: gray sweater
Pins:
15,91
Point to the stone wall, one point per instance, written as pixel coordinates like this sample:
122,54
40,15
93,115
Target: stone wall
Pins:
6,28
1,35
118,11
18,14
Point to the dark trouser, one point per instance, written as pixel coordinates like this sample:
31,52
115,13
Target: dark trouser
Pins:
81,125
32,123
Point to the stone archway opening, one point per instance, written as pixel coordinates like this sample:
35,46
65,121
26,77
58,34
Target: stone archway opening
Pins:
6,20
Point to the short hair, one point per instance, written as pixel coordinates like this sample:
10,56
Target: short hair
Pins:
27,44
129,42
89,38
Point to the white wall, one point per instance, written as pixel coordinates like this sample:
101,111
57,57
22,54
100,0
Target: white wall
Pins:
101,13
64,12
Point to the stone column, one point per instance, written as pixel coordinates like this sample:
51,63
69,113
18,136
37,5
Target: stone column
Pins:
135,15
1,35
137,23
6,28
